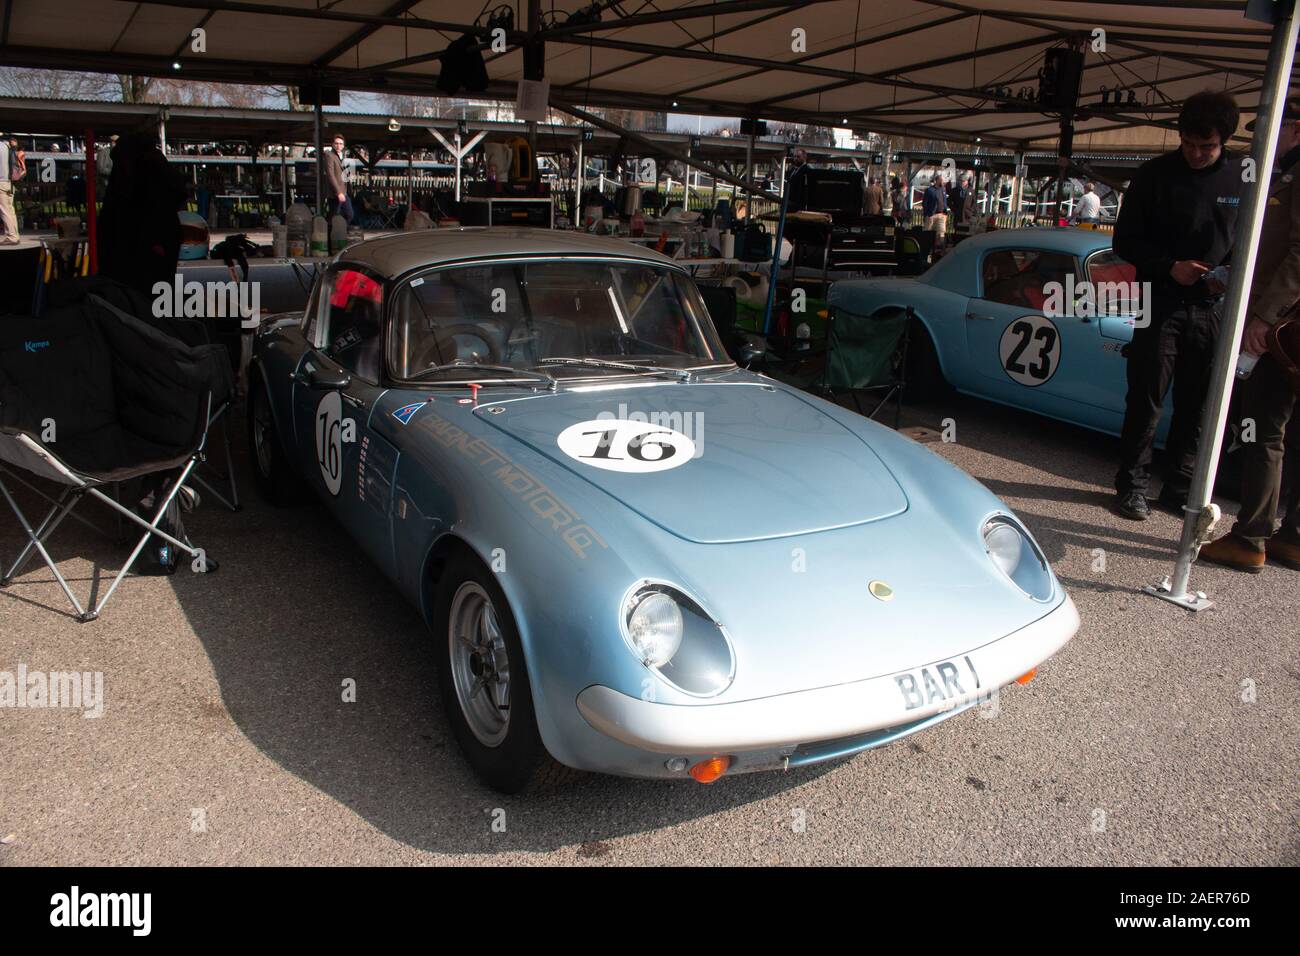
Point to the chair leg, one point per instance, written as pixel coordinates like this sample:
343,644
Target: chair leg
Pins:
230,500
34,541
152,527
52,520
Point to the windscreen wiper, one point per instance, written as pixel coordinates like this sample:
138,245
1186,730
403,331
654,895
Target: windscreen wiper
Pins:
681,373
551,382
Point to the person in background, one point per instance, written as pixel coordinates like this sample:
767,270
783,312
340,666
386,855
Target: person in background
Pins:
138,228
1267,397
8,218
968,210
934,207
900,202
104,159
332,171
1176,225
875,198
1089,204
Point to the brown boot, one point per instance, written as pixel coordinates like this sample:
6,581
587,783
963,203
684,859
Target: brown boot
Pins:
1232,552
1284,548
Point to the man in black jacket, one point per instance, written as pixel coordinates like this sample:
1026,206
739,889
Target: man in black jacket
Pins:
1176,226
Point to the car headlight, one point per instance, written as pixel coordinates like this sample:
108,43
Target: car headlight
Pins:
1017,556
672,635
655,627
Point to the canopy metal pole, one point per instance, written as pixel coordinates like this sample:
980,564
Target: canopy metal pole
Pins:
579,181
749,174
320,156
1199,515
92,230
284,182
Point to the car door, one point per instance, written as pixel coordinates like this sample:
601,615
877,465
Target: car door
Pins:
1028,343
336,387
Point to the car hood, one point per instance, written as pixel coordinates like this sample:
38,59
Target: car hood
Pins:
768,463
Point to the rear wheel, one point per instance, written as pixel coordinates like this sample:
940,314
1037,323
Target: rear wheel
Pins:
925,381
484,680
276,479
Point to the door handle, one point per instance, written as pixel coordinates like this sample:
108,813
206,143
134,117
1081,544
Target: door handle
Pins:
352,400
979,317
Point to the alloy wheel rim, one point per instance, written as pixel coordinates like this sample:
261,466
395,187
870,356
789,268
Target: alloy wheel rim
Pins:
261,434
480,665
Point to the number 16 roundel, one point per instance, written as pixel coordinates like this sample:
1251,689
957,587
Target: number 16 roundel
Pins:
1030,350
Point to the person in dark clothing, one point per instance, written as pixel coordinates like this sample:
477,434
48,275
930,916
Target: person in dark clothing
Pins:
934,207
1267,397
1176,226
139,231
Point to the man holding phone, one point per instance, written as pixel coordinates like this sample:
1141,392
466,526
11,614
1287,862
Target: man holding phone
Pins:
1176,226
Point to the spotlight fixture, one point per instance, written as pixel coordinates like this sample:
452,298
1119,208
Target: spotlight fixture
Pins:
176,64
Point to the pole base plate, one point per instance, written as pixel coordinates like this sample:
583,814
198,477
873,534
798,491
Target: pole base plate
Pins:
1191,601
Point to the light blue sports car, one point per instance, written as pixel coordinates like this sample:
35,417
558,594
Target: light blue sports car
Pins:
1034,318
634,557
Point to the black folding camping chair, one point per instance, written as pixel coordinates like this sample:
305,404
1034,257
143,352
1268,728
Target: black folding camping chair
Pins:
91,396
220,482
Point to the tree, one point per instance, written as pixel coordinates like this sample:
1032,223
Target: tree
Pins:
57,84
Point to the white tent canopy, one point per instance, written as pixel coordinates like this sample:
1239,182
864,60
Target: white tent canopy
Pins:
914,67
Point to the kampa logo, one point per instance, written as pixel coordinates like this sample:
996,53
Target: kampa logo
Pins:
36,346
103,909
1229,200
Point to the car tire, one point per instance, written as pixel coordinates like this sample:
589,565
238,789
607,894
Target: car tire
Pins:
923,373
276,479
506,754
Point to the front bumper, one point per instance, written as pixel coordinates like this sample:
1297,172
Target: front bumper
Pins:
855,713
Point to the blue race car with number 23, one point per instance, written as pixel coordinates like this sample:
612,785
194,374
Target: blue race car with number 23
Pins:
1034,318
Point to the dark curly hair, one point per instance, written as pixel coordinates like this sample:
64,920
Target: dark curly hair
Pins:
1209,112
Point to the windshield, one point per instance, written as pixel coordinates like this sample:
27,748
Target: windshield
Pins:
602,316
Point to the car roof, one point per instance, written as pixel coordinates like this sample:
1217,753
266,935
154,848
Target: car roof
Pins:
1054,238
395,255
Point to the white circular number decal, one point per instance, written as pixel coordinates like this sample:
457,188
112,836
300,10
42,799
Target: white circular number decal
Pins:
1030,350
622,445
329,442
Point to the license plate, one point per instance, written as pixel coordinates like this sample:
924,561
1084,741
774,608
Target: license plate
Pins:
940,683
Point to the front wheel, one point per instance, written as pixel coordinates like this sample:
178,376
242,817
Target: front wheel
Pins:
276,479
483,678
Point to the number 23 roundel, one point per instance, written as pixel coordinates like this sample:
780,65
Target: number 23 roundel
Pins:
1030,350
624,445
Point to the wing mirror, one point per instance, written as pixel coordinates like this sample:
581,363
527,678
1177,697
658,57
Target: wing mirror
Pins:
750,348
326,379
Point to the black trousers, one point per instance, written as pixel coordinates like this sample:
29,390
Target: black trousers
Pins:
1268,399
1178,349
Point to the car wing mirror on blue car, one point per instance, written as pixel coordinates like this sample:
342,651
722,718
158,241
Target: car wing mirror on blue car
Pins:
326,378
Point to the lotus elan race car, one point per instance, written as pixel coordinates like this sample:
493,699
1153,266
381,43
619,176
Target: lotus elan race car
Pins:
1034,318
635,558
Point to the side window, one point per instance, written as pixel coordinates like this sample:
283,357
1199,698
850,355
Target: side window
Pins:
1019,276
352,308
1114,284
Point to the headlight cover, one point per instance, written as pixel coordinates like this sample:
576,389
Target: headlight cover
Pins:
672,635
1016,555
